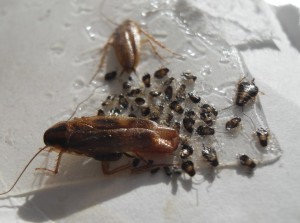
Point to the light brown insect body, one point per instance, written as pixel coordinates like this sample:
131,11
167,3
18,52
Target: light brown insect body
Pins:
126,42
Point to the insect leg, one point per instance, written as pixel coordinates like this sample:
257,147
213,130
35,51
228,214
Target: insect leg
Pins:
55,171
153,49
159,43
107,171
104,54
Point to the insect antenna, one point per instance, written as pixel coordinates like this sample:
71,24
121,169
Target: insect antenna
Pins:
104,16
25,168
84,100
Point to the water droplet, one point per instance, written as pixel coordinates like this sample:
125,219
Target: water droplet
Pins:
205,70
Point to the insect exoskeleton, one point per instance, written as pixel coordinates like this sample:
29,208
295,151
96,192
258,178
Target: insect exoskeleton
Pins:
246,91
210,154
233,123
126,41
107,138
263,136
245,160
100,135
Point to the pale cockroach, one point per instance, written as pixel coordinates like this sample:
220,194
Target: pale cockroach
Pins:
126,41
107,138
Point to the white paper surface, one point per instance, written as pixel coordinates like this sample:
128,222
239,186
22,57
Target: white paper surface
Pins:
40,74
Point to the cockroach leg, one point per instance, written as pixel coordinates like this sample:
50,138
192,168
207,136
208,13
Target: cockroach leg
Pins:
104,54
159,43
106,170
55,171
154,51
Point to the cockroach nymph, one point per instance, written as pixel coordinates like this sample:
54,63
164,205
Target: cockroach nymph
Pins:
194,98
188,123
145,111
263,136
246,91
206,108
205,130
155,93
247,161
186,151
210,154
180,93
188,167
169,93
100,112
147,80
123,102
110,75
233,123
134,92
140,101
168,81
106,139
189,76
175,106
161,73
126,85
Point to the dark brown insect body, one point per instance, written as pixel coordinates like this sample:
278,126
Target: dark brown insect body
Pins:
247,161
263,136
246,91
205,130
210,155
188,167
233,123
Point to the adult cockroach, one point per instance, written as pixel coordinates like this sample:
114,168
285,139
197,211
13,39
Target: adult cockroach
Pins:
107,138
126,41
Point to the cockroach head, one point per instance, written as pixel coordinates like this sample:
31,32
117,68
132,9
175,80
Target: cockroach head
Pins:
57,135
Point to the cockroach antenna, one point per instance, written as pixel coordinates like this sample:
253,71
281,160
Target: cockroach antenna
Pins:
25,168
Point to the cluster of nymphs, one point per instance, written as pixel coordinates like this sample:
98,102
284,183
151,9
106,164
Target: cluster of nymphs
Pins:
174,103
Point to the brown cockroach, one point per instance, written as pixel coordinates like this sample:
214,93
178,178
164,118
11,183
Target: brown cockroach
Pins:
126,41
107,138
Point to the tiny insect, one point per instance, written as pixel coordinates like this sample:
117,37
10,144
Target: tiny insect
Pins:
126,41
161,73
107,138
247,161
263,136
168,93
210,154
205,130
188,167
147,80
194,98
246,91
110,75
186,151
188,123
189,76
233,123
175,106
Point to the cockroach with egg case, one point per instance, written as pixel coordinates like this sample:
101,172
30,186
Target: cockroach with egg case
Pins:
126,42
106,139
